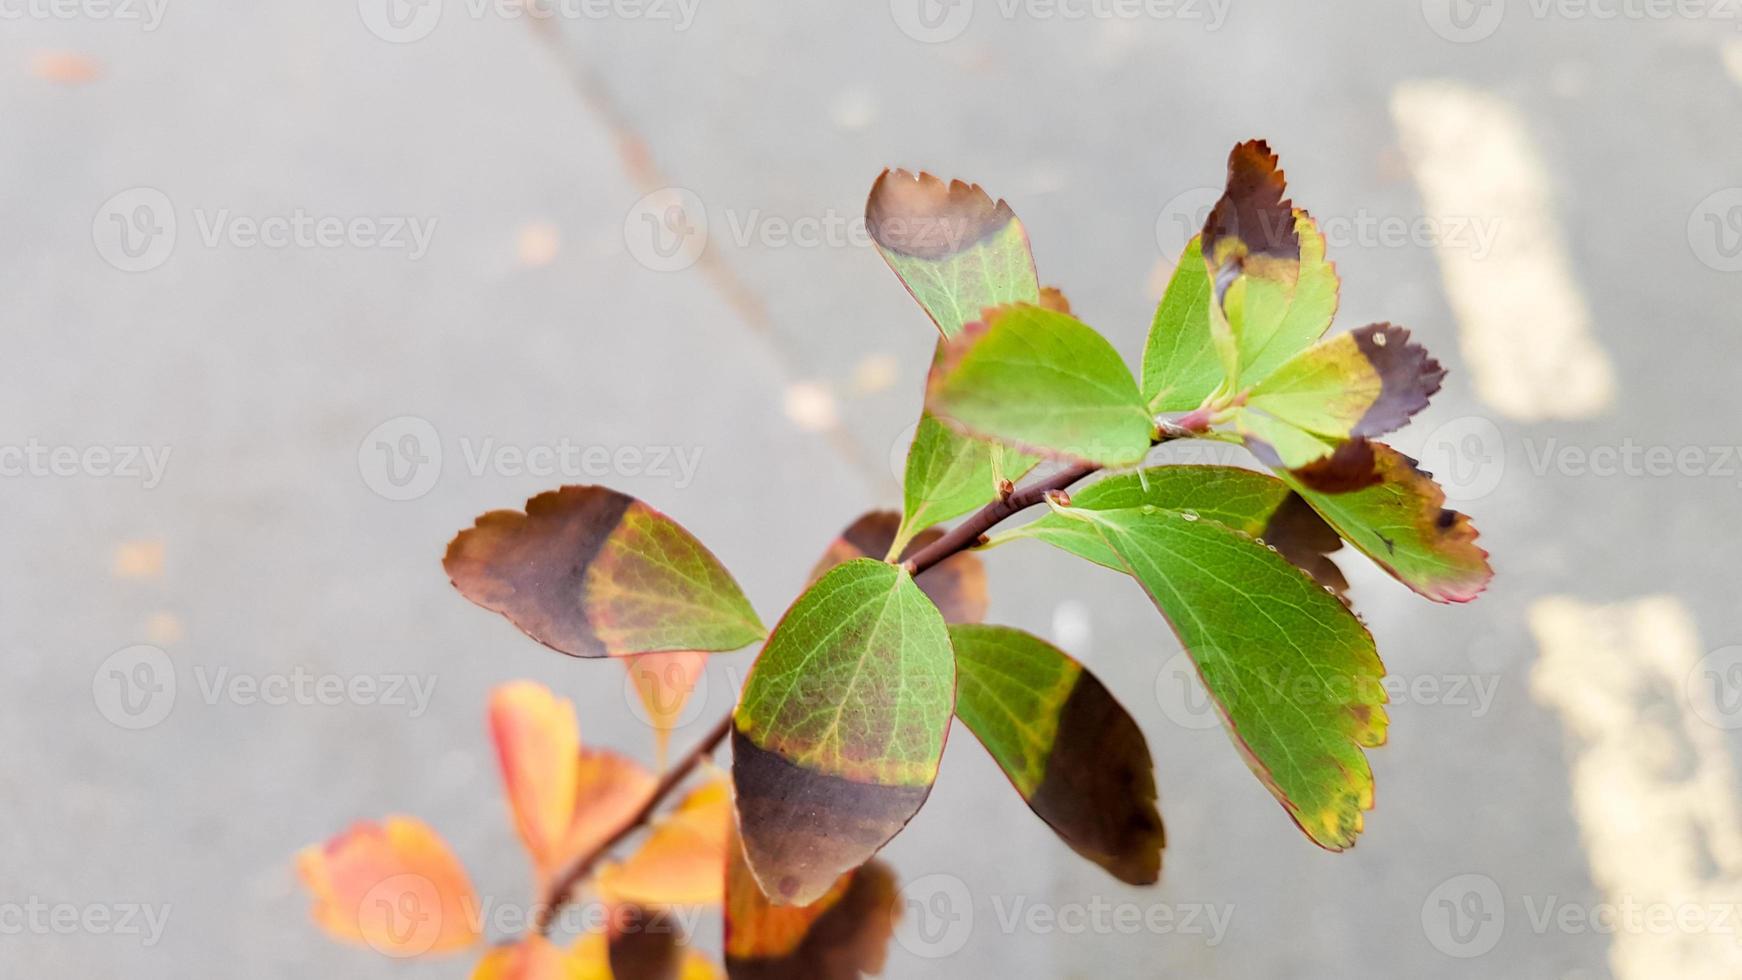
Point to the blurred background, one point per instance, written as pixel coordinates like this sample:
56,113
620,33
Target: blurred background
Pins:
294,291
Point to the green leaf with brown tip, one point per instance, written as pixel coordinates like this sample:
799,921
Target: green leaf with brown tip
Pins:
1068,747
838,733
1251,255
1043,381
1402,523
1180,363
592,572
954,248
1364,383
950,474
956,585
1294,674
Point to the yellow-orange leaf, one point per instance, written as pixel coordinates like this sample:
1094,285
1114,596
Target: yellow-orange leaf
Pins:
664,682
682,861
537,744
394,886
533,958
609,789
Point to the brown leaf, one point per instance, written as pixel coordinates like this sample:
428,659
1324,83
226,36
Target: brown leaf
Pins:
842,936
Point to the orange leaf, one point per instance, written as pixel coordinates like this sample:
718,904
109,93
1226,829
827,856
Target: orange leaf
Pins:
537,744
664,682
609,788
533,958
681,861
394,886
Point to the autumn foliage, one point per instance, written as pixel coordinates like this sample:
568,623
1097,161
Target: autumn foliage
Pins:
838,732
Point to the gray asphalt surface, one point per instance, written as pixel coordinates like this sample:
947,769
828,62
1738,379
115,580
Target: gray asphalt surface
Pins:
282,383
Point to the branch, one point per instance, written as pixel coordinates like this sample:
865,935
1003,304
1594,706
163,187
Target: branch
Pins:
563,886
968,533
964,536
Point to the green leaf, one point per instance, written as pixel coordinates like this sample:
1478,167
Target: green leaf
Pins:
1402,523
950,474
1246,501
837,736
1074,754
1293,672
1236,498
1365,383
1310,307
1044,381
1180,367
592,572
954,249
